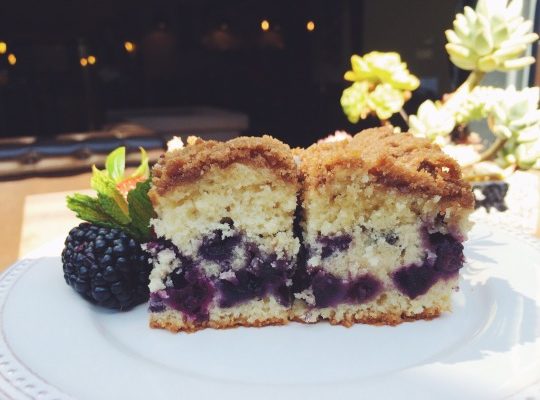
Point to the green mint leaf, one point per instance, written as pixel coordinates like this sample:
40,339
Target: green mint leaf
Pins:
102,183
88,209
140,208
116,164
111,207
143,170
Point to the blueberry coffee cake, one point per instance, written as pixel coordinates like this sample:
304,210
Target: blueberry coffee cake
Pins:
225,250
384,216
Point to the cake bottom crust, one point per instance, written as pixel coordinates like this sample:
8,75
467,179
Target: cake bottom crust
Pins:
254,313
349,318
174,322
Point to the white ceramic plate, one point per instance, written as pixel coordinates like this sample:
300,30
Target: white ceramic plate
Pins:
53,345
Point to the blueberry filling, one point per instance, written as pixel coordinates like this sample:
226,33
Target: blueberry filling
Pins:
332,244
245,286
297,222
329,290
228,221
190,292
156,303
449,252
301,277
391,238
266,279
363,289
159,244
217,247
415,280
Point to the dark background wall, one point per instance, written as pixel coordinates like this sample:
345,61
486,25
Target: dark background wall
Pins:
288,80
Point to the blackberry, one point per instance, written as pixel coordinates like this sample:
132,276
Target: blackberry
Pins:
491,194
106,266
102,258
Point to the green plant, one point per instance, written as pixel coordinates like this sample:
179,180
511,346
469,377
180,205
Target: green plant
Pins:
515,119
432,121
122,200
492,37
381,85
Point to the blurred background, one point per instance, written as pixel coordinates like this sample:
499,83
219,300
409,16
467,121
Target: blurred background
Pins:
80,78
257,67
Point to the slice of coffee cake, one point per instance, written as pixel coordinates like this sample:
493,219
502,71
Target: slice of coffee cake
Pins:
225,250
384,216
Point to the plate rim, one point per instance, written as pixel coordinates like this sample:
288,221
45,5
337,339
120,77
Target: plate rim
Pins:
13,372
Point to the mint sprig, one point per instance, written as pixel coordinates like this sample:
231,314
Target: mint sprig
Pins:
140,208
109,196
89,209
143,170
122,201
115,164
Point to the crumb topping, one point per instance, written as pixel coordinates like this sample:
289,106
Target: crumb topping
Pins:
191,162
397,160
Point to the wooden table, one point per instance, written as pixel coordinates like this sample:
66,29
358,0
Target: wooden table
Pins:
43,219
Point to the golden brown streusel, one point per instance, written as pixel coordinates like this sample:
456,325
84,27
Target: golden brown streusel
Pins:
397,160
189,163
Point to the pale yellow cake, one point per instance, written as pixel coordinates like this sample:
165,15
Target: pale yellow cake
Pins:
225,250
384,215
367,229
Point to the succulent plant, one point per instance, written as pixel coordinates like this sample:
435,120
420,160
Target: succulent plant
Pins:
381,85
516,115
528,155
354,101
432,121
385,101
377,67
492,37
478,104
516,119
358,101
